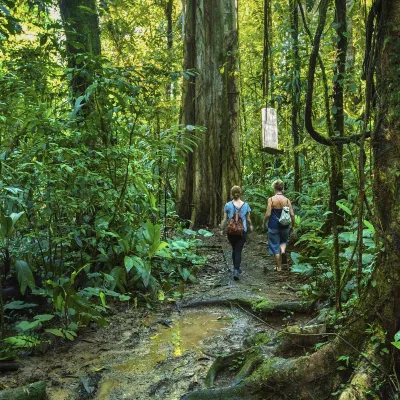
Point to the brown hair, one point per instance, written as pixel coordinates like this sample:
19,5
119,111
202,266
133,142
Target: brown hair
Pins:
278,185
236,192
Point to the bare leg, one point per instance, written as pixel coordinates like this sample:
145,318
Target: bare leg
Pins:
278,262
283,254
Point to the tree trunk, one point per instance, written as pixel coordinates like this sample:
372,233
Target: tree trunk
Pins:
210,99
83,36
338,111
386,151
295,91
266,51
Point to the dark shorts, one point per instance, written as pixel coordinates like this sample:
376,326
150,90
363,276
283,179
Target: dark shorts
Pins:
276,237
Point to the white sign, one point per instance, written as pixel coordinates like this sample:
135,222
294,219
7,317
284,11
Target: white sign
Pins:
269,128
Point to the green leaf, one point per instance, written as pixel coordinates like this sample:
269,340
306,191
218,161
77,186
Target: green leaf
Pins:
18,305
21,341
27,326
133,261
103,299
156,247
397,336
189,232
369,226
7,223
205,233
344,208
396,344
55,332
24,275
43,317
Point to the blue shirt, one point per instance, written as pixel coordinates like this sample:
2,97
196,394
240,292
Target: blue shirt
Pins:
230,209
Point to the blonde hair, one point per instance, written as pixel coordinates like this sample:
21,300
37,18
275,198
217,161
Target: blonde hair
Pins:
278,185
236,192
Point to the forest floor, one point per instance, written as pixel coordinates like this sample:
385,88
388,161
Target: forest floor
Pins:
166,352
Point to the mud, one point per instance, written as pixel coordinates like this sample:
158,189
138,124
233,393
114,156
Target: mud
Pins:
164,353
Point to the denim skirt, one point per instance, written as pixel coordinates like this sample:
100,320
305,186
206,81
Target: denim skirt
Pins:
276,237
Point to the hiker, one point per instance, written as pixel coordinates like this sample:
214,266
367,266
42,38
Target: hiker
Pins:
236,238
277,233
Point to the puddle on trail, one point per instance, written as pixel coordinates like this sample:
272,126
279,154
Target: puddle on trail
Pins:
167,352
186,333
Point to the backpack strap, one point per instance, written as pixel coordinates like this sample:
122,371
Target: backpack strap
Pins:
238,207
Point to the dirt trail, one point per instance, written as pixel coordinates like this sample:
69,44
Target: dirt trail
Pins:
164,353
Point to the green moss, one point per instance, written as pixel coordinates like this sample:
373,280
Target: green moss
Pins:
261,304
259,339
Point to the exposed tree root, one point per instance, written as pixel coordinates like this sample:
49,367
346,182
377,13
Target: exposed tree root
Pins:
223,362
286,375
34,391
293,337
263,306
361,382
252,362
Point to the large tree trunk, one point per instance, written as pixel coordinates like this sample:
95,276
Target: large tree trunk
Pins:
210,99
386,150
83,36
294,9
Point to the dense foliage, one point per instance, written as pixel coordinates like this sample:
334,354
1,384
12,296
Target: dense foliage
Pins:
88,182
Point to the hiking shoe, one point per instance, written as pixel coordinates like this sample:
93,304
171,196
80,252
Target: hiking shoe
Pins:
236,275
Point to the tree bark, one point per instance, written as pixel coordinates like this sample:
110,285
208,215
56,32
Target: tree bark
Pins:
386,151
210,99
82,31
296,85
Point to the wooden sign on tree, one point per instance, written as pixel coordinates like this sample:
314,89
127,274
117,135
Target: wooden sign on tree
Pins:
269,131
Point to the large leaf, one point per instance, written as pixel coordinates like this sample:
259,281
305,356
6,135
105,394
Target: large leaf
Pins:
18,305
370,227
21,341
205,233
344,208
8,223
152,233
27,326
156,247
24,275
133,261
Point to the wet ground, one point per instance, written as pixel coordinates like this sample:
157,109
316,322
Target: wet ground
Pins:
164,353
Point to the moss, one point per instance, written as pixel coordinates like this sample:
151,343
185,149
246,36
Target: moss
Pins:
259,339
261,304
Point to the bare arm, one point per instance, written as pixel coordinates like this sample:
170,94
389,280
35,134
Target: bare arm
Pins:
223,222
249,223
291,211
267,212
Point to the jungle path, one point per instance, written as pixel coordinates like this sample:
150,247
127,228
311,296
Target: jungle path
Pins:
166,352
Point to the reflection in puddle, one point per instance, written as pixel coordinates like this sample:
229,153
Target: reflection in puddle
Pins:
187,333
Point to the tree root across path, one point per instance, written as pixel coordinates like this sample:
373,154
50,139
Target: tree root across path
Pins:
262,306
314,376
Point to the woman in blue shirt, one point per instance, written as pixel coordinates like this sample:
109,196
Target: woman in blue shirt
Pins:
237,242
277,234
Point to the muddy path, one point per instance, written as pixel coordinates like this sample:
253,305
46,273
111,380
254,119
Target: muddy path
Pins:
166,352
